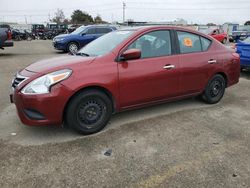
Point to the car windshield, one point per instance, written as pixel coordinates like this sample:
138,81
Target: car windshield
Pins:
105,44
247,40
78,30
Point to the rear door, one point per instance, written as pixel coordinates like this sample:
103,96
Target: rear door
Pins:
89,35
196,61
155,76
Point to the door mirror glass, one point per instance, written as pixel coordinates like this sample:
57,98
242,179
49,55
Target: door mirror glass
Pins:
130,54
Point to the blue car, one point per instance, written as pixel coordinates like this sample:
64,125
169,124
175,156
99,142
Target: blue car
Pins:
243,49
80,37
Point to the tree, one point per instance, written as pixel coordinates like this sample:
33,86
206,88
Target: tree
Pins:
79,16
66,21
211,24
59,16
98,19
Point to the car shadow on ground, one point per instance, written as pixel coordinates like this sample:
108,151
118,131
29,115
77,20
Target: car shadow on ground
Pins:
28,135
2,54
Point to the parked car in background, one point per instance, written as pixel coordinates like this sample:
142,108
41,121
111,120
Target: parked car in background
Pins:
38,28
218,34
241,33
80,37
243,49
5,38
122,70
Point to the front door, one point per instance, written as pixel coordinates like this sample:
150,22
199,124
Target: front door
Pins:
153,77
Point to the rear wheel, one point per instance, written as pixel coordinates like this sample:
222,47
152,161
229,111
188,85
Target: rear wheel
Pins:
73,47
215,89
89,111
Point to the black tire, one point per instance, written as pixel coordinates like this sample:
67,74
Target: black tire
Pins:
72,47
215,89
89,111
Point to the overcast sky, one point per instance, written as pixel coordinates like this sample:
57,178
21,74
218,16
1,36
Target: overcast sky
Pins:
194,11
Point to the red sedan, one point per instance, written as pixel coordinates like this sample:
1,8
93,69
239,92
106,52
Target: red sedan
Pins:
125,69
215,33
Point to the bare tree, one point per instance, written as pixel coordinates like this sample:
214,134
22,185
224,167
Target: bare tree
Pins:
59,16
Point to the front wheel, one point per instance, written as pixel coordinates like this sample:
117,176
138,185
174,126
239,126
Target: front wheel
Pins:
89,112
73,47
224,41
215,90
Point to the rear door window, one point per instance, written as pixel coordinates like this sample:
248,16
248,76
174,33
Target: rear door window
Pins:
189,42
91,31
103,30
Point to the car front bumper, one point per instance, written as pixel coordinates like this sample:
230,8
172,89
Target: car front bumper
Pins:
42,109
59,45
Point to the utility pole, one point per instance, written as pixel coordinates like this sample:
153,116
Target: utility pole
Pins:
123,8
25,18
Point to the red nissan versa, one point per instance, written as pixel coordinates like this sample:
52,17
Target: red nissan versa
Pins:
124,69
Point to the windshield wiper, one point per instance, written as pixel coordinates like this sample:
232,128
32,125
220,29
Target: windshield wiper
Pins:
82,54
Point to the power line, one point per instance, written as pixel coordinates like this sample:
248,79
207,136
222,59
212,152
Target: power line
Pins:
188,9
123,8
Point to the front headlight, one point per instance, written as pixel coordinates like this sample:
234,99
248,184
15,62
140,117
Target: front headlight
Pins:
59,39
42,84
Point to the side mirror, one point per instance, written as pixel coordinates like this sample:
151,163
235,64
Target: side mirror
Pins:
83,34
130,54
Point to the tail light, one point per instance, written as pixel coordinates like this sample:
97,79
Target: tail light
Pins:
9,35
236,56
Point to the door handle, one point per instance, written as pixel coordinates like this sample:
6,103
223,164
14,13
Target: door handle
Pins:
212,61
169,67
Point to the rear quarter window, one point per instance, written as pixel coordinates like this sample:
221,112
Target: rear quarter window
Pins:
205,43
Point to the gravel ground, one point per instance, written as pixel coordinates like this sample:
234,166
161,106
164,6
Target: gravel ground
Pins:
178,144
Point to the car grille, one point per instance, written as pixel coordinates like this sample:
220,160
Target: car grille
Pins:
18,80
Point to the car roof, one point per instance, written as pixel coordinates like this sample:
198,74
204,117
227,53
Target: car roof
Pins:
109,26
149,28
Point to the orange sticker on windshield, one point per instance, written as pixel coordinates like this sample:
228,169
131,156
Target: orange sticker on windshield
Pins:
188,42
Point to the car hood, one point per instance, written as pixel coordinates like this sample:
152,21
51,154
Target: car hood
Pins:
61,35
65,35
53,64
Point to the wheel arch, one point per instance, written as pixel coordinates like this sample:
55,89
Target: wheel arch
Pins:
224,76
217,73
95,87
73,41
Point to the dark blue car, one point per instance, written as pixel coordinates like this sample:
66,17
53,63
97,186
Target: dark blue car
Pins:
80,37
243,49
